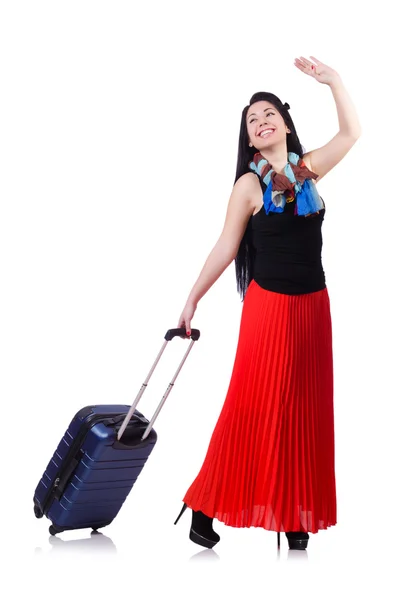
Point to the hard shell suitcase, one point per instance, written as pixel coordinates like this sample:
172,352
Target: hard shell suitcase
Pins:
99,459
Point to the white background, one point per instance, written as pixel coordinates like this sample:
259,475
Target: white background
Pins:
119,133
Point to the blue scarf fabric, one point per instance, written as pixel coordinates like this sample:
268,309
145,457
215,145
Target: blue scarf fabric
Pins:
295,181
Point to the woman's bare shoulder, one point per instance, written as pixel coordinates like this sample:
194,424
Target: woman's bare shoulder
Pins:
306,159
247,190
248,182
250,176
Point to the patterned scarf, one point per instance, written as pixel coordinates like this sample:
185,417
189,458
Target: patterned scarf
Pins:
296,181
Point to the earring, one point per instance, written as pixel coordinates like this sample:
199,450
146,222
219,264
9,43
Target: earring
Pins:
250,145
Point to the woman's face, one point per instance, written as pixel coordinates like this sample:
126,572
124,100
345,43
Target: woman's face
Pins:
262,116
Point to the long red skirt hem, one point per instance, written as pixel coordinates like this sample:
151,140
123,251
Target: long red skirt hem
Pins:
270,461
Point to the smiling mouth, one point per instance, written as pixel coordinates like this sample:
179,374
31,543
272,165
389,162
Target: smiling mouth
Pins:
267,134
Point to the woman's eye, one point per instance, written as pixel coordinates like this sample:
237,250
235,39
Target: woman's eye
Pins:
270,113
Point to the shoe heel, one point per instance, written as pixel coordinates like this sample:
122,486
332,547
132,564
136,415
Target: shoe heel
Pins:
184,507
278,539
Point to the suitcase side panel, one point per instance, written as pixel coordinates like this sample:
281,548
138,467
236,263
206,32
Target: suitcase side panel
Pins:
104,476
57,461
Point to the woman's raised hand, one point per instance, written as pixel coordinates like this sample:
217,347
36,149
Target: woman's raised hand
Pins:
320,71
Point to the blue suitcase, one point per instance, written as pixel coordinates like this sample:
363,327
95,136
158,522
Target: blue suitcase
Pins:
99,459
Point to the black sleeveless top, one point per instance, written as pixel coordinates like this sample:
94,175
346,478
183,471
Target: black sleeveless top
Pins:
288,251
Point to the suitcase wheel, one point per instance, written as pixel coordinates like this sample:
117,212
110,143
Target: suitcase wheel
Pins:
38,512
53,530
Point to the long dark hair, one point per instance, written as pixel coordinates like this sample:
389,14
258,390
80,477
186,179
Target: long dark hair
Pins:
244,260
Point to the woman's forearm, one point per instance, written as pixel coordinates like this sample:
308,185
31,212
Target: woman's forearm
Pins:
219,258
347,115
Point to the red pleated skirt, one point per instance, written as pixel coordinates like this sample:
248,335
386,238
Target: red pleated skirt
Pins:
270,461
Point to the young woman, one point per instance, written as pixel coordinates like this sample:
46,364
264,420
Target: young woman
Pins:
270,461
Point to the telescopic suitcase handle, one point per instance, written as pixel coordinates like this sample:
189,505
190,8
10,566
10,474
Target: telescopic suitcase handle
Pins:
171,333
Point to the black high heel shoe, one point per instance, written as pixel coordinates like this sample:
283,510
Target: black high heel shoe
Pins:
297,540
201,531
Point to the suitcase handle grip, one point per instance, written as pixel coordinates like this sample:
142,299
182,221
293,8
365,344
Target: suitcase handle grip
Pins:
171,333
